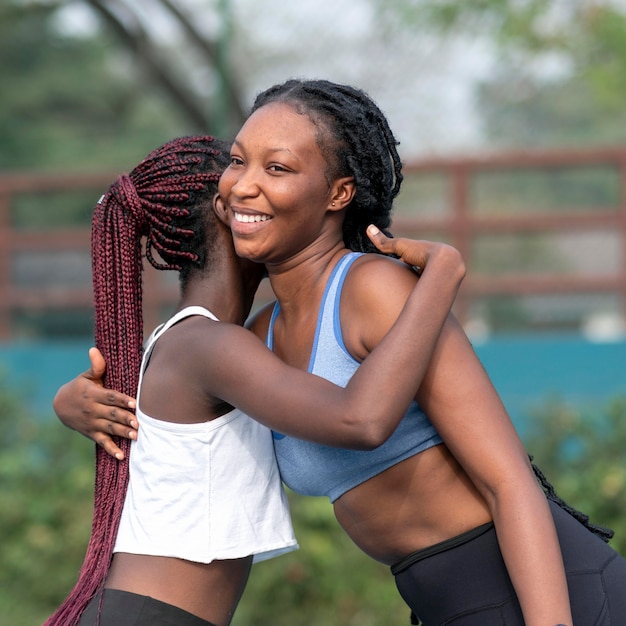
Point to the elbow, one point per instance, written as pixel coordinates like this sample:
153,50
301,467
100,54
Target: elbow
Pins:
376,436
510,489
366,434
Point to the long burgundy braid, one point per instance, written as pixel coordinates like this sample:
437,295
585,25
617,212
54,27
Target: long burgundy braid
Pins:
163,201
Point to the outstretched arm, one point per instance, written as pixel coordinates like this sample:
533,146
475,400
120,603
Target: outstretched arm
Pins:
85,405
360,416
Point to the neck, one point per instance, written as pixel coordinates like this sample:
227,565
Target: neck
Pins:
226,293
299,283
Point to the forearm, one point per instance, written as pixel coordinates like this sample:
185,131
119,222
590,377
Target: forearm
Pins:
531,552
379,297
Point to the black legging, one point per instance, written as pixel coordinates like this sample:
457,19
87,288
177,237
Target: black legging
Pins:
468,584
121,608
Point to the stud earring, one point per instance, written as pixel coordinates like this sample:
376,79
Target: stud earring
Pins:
332,204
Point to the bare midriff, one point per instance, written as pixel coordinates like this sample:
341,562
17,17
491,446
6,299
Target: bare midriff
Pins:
210,591
415,504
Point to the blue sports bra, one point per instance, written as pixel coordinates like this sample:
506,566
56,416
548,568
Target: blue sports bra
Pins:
317,470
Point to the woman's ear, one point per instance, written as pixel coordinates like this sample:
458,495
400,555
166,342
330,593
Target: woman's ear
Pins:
220,210
342,193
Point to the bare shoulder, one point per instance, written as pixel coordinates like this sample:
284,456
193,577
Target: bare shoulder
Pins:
374,293
373,267
181,382
201,341
374,276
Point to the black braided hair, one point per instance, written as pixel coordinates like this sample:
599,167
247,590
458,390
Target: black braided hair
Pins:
606,534
356,140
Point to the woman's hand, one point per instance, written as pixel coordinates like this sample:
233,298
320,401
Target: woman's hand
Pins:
85,405
418,253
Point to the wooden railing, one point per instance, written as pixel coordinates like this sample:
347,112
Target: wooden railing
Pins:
458,219
463,224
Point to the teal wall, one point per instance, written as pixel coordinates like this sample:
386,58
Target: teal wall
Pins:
526,370
39,369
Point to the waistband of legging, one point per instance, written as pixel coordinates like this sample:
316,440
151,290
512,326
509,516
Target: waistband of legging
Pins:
437,548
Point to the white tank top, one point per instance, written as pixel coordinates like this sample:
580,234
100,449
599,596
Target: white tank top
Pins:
204,491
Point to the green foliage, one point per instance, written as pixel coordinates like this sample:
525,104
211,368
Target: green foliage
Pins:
45,510
46,505
580,103
582,454
72,102
508,21
561,67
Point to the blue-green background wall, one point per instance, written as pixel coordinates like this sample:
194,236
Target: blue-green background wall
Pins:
525,370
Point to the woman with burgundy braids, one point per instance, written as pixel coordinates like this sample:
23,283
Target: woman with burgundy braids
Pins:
197,497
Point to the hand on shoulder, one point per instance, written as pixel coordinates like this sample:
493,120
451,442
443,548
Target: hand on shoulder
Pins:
419,254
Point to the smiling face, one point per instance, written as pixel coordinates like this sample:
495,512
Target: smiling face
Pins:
279,198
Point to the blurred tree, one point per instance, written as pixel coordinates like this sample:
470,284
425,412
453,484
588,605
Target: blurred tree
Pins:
565,88
168,68
560,70
194,65
70,101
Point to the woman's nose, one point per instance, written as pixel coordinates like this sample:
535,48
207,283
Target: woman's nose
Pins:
245,182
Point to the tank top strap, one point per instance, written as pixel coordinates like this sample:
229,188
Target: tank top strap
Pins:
160,330
334,284
328,331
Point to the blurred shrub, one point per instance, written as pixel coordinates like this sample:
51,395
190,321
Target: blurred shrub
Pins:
582,454
46,500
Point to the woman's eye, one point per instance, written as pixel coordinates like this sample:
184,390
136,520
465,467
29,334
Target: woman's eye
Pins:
235,160
277,168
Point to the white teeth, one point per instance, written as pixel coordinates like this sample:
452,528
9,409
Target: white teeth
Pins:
244,218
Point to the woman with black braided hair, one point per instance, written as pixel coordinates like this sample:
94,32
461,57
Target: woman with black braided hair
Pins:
449,501
176,529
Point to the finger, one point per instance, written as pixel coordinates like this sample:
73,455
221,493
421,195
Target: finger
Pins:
119,430
408,250
110,447
110,415
98,366
380,240
123,405
117,417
